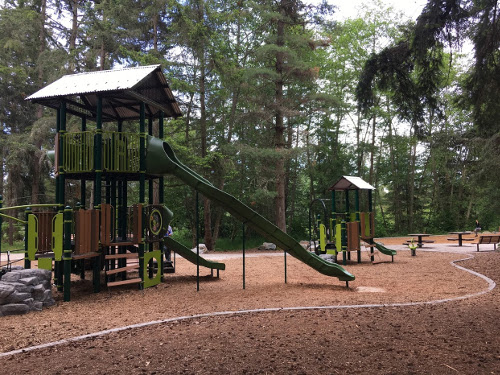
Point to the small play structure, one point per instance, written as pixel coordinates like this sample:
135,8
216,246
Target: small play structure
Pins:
348,227
111,231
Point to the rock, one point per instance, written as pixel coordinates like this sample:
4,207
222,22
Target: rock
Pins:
15,275
38,292
304,244
267,246
33,280
5,290
328,257
49,301
29,302
11,277
14,309
17,297
22,288
37,306
203,248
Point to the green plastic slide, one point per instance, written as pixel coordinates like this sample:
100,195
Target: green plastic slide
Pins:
161,160
191,256
384,250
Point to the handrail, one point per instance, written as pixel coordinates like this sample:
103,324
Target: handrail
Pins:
13,218
31,205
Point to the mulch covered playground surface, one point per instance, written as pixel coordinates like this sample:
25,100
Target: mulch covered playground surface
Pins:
418,315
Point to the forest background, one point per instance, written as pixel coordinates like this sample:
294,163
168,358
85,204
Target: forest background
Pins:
279,102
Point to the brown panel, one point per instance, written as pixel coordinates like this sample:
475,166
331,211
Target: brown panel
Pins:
352,236
44,231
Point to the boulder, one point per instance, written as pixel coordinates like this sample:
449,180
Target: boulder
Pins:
17,297
24,290
33,280
267,246
5,290
203,248
14,309
38,292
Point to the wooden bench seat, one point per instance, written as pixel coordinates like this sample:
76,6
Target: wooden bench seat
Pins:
488,239
86,255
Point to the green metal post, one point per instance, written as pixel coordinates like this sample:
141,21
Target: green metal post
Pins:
358,219
1,219
142,186
98,155
58,151
243,234
344,241
161,192
151,197
197,243
83,191
370,200
286,276
356,204
61,181
96,276
67,252
161,181
333,219
27,262
347,208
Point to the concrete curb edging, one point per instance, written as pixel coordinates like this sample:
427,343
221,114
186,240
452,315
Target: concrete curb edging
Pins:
491,286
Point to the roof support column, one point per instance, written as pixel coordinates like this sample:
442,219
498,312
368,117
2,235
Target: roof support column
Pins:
161,187
98,155
142,186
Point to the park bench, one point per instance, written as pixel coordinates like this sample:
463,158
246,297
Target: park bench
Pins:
463,239
488,239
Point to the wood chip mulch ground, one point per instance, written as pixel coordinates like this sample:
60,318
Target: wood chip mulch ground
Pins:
456,337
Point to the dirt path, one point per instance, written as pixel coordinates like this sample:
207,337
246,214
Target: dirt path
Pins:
448,338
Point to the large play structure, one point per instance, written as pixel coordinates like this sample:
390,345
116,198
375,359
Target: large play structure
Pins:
114,233
349,224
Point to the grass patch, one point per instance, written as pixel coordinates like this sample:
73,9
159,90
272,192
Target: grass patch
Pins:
223,244
17,247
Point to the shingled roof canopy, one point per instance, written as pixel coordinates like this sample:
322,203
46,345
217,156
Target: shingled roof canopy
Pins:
122,90
351,183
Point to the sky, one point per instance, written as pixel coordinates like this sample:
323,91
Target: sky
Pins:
351,8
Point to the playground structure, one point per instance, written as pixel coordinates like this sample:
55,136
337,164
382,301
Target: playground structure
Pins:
112,232
344,230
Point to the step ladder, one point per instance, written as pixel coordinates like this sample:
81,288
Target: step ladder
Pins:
126,268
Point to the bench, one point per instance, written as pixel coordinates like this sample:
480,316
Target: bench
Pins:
463,239
488,239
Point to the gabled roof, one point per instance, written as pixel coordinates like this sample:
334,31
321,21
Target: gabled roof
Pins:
122,91
351,183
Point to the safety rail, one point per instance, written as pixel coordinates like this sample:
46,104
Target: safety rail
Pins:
120,152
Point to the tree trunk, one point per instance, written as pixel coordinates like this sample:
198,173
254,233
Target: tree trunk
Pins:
73,35
280,208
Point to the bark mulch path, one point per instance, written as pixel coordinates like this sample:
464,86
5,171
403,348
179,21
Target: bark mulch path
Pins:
457,337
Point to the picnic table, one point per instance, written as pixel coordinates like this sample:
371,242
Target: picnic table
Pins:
420,236
459,237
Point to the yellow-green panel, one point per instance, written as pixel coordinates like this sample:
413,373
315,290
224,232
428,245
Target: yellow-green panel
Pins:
57,236
32,236
338,237
45,263
157,279
322,237
367,232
